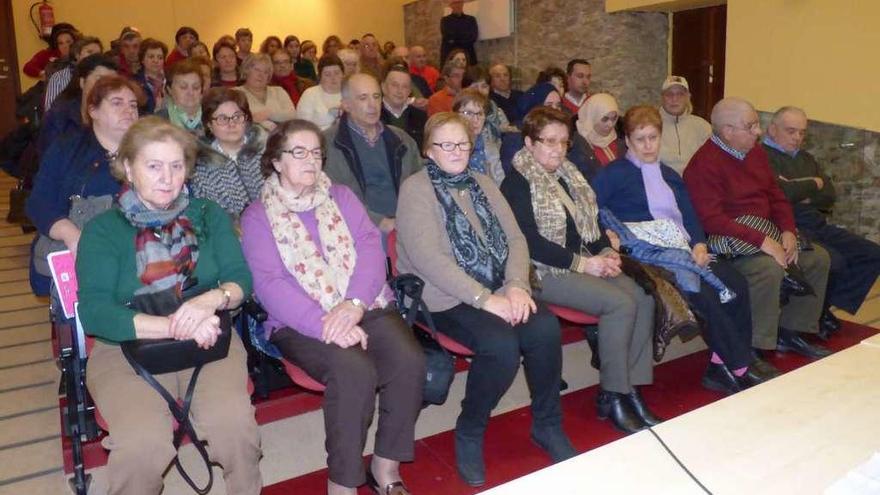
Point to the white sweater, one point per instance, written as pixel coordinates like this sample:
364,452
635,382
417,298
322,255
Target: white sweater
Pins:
319,106
682,137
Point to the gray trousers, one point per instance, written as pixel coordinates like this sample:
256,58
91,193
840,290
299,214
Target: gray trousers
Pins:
626,323
765,277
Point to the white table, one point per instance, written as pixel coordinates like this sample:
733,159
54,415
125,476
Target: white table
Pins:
796,434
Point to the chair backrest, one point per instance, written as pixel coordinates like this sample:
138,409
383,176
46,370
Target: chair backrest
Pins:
63,267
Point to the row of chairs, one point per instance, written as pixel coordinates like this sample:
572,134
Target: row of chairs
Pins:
82,422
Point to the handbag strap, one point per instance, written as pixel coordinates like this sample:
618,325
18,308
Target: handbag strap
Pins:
181,414
411,286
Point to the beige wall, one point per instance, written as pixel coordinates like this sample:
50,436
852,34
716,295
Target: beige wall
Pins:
816,54
308,19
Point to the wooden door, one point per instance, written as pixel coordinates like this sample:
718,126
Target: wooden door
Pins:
698,39
9,88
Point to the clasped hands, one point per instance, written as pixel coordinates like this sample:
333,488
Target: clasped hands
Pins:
513,305
785,253
196,319
340,326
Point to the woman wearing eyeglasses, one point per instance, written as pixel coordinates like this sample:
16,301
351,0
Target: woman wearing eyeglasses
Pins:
486,155
457,233
577,266
596,143
228,164
319,271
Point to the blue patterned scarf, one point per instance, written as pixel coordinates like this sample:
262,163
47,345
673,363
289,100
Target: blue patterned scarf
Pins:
477,161
483,258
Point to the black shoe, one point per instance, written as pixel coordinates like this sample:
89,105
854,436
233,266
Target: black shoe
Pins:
469,459
720,379
764,369
554,441
789,341
637,403
616,406
592,334
752,377
829,321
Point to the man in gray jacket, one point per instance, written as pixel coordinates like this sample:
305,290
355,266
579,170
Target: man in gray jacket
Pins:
683,133
371,158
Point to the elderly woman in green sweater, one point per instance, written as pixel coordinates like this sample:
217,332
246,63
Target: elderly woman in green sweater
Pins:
157,242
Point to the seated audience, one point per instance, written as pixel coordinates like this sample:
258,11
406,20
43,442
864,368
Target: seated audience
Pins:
348,335
152,74
244,41
291,45
457,233
307,63
226,65
596,144
156,240
578,75
270,45
685,132
199,49
183,107
541,94
418,66
66,114
397,104
441,100
331,46
729,178
78,163
60,41
269,105
371,59
366,156
228,164
184,39
283,75
502,93
476,77
554,76
351,60
320,104
855,261
82,48
485,157
458,57
129,44
640,188
206,71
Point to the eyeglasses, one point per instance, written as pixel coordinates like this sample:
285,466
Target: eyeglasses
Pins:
300,152
552,143
449,146
748,127
234,119
472,115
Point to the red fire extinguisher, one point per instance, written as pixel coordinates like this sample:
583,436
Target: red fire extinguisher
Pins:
47,18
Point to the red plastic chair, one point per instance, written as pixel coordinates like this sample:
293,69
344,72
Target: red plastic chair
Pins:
301,378
446,342
573,315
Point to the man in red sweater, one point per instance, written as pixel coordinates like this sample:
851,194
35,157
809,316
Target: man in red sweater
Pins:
730,177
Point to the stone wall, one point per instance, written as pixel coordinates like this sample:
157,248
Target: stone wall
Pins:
852,158
628,50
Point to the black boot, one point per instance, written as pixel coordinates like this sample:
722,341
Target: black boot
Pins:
637,403
615,405
720,379
469,459
592,334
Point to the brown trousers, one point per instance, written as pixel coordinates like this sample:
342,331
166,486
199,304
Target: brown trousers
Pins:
393,363
140,422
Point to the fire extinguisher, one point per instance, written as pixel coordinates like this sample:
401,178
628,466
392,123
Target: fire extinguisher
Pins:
47,18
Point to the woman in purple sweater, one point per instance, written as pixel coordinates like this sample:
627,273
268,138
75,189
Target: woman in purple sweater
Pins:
319,271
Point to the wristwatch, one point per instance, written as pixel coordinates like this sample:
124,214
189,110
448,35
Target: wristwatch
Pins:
358,303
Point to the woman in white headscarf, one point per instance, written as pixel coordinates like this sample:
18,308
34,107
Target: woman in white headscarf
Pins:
596,143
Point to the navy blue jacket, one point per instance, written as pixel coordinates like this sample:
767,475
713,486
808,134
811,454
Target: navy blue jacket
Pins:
63,117
619,187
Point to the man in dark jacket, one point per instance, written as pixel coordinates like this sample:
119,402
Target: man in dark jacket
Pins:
397,108
459,30
502,93
370,158
855,261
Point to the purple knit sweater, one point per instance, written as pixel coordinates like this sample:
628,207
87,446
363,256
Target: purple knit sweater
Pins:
287,304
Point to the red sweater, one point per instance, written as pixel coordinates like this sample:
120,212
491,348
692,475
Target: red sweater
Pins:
37,64
723,188
288,82
173,57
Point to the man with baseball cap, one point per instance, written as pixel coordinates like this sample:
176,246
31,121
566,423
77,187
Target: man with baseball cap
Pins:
683,133
129,45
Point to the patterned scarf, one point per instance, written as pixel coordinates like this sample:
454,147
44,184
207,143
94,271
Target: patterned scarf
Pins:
477,161
324,276
550,202
483,258
166,247
179,117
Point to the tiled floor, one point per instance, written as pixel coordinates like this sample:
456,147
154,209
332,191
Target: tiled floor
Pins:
30,446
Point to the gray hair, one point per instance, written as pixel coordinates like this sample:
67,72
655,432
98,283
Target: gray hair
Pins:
777,115
346,83
256,58
728,111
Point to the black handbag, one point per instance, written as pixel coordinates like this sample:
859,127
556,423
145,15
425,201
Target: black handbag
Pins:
440,364
151,357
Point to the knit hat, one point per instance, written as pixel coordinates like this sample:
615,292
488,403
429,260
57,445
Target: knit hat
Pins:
675,81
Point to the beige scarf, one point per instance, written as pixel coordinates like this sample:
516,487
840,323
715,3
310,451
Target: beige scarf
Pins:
596,107
550,202
324,278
